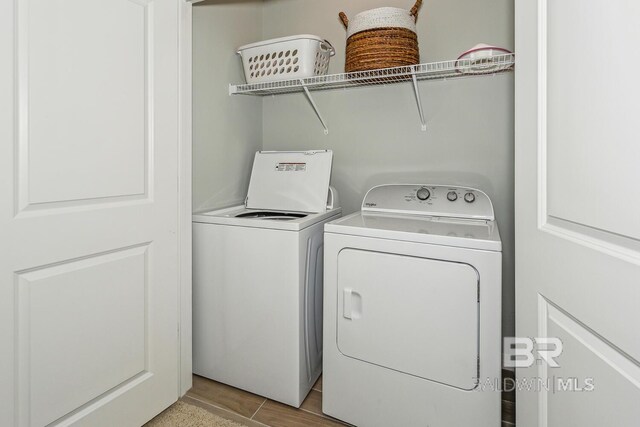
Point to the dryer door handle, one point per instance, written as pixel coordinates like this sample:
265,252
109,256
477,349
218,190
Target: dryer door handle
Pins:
351,304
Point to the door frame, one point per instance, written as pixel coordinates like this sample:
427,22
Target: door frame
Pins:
185,193
185,196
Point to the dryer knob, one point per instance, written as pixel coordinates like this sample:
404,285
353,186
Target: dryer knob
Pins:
423,193
452,196
469,197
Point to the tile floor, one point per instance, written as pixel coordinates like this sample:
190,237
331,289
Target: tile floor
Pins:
508,402
253,410
256,411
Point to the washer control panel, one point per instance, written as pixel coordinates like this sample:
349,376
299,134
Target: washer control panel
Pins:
429,200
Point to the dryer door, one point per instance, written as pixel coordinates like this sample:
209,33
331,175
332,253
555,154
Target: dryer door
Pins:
415,315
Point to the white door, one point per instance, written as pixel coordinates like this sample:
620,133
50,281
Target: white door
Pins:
578,209
88,211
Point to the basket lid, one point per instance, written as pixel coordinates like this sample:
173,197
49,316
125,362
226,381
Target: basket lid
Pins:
382,17
279,40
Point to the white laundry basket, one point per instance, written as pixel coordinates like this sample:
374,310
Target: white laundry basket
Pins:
286,58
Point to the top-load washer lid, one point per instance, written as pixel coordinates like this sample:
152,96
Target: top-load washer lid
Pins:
290,181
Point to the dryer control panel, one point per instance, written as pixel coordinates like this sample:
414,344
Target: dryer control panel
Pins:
429,200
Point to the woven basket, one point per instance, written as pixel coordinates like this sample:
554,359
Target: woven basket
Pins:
382,38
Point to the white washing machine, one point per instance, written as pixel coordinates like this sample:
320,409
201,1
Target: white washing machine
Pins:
257,279
412,310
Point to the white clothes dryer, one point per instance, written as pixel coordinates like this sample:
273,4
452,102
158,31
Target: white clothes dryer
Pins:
412,310
257,279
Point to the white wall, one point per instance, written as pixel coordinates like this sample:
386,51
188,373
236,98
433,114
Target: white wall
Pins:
226,131
375,132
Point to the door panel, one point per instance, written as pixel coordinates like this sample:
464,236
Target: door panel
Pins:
51,301
578,245
88,211
588,359
392,309
599,135
98,121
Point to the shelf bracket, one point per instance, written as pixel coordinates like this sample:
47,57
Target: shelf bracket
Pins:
315,107
418,100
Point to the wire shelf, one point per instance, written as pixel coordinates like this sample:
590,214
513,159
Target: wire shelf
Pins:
429,71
